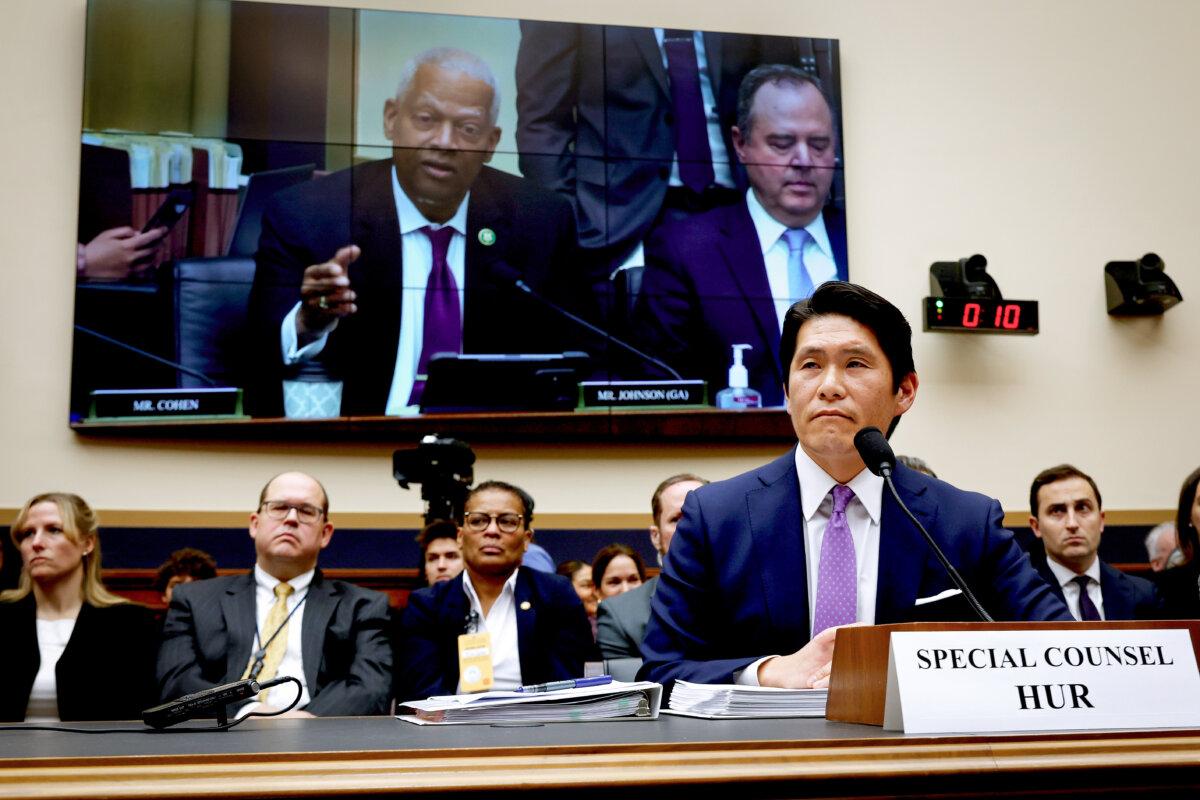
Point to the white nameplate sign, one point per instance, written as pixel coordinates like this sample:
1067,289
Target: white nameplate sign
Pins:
984,681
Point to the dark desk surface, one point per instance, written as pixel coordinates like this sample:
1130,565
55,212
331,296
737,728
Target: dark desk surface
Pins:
765,758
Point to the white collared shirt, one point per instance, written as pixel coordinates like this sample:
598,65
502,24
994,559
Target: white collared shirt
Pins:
501,624
818,254
292,664
1066,579
417,263
863,514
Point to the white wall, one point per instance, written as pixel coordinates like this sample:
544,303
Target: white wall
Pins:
1052,137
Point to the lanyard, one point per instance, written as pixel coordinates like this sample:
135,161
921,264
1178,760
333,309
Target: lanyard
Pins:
261,653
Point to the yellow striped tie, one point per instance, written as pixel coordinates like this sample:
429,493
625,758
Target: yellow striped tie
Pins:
277,619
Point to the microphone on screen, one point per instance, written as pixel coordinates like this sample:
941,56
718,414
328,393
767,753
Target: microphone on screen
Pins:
877,454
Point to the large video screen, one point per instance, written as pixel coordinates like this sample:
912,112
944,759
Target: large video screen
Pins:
302,212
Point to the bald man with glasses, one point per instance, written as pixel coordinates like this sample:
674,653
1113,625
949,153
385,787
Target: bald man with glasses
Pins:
518,625
283,618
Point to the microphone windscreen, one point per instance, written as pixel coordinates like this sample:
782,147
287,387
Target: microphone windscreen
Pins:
874,449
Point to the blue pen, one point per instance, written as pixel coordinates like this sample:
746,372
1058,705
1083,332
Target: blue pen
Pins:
577,683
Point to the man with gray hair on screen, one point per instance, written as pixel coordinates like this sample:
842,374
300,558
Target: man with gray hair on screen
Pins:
364,275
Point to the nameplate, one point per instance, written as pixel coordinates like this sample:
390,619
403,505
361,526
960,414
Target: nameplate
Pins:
985,681
127,404
642,394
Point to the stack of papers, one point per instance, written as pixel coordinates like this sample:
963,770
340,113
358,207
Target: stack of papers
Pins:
729,701
614,700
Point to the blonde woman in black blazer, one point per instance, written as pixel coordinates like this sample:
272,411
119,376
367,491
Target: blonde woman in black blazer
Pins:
103,646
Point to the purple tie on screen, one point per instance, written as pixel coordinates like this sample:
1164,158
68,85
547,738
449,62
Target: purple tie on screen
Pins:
443,315
1087,609
691,123
837,574
800,284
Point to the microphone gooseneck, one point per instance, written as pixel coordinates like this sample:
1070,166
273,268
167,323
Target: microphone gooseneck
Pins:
877,454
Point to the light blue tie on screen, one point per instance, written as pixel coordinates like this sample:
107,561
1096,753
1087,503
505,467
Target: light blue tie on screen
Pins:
800,285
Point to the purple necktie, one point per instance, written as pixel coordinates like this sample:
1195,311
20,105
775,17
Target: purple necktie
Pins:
443,316
837,575
691,123
1087,609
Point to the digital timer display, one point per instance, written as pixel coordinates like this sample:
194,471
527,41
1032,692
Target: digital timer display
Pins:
981,316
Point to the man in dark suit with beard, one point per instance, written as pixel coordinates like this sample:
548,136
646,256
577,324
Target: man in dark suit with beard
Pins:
367,273
728,276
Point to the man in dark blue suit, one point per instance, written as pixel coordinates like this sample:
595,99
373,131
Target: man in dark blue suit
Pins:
727,277
536,625
765,566
1066,514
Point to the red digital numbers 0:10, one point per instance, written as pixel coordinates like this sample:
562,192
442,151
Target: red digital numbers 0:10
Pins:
1008,316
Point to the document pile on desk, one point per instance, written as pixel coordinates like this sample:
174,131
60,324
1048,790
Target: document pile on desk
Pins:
616,700
729,701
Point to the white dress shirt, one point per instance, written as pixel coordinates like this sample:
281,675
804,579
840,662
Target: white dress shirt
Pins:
52,638
818,254
863,515
1066,579
501,624
417,263
292,664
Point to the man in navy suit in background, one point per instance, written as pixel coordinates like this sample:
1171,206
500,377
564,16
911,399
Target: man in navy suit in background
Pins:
728,276
765,566
1065,513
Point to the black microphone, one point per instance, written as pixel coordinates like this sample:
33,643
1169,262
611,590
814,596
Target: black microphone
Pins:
507,274
147,355
198,703
877,454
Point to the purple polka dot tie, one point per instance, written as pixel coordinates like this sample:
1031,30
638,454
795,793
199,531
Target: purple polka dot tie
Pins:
837,574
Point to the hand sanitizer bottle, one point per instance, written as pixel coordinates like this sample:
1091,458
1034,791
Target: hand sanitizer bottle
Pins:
739,394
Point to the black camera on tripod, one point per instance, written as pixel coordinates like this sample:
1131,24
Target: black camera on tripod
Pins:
444,468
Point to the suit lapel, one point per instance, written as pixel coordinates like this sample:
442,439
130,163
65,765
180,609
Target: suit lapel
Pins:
743,259
489,238
526,610
319,605
903,551
237,609
1117,603
651,53
777,532
378,279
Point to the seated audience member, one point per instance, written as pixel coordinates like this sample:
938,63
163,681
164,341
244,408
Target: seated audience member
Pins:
621,620
184,566
441,557
1066,514
1180,585
372,270
580,575
535,623
75,650
617,569
1161,544
727,276
918,464
536,557
284,618
765,566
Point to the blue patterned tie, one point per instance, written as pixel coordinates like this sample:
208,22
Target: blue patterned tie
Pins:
800,285
837,574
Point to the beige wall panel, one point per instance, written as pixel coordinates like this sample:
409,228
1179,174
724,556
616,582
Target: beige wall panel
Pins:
1052,137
